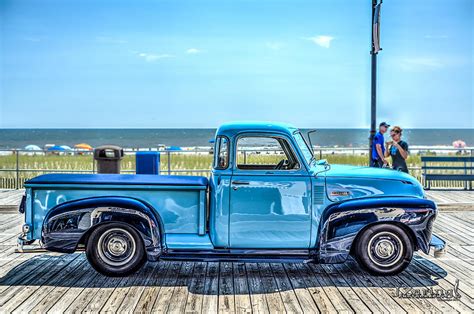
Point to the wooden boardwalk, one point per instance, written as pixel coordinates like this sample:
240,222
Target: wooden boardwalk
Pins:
51,282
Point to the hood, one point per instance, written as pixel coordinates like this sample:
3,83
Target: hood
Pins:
368,172
348,182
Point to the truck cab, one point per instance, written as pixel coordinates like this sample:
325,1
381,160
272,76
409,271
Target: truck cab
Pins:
267,199
261,188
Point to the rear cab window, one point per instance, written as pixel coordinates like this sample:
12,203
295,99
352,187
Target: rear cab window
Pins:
221,158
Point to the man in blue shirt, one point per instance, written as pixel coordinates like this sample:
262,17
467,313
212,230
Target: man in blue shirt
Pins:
378,147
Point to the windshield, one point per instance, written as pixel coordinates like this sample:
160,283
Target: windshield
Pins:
300,141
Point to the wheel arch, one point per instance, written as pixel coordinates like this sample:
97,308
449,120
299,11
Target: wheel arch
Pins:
69,224
342,223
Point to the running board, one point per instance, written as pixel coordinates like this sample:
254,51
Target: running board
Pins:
253,256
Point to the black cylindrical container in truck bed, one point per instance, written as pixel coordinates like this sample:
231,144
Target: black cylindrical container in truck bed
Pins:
108,158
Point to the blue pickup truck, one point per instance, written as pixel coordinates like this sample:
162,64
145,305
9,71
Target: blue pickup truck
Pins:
267,199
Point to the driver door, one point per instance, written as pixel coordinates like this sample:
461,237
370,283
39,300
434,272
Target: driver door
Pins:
270,196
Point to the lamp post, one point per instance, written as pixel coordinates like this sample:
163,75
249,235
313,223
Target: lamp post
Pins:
375,48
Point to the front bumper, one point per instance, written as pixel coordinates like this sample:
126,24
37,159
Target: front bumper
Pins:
438,246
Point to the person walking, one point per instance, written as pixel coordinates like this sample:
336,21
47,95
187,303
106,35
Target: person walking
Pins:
397,149
378,147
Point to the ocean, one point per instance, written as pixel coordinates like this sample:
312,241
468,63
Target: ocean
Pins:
151,138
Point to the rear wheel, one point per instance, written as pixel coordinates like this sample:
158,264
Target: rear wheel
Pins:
115,249
384,249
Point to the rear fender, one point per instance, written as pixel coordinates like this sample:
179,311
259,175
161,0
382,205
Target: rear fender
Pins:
69,224
342,222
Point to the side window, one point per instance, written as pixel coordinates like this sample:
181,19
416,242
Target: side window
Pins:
221,160
265,153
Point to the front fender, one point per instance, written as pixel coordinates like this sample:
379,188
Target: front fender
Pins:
68,224
341,223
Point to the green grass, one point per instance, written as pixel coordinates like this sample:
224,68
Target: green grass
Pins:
182,161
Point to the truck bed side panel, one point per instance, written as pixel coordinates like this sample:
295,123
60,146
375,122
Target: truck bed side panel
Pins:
180,208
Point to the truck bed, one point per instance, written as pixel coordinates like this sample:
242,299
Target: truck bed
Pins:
180,201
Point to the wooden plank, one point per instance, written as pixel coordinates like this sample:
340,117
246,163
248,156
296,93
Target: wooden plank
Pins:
22,272
270,289
150,292
63,278
117,296
349,295
288,296
257,297
196,288
72,293
24,295
243,303
15,264
181,289
135,292
226,301
389,285
451,276
210,299
461,220
455,225
318,293
337,298
166,292
463,305
425,281
308,290
97,292
368,295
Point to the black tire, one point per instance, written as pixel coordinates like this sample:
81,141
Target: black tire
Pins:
383,250
115,249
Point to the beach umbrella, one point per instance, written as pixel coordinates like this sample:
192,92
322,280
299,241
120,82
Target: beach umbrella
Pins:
56,148
176,148
459,144
66,147
83,146
32,147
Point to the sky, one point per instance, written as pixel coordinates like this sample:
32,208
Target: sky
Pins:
193,63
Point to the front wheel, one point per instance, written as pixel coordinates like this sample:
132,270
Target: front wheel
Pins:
115,249
384,249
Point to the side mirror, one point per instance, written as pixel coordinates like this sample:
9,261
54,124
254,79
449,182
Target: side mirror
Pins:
322,162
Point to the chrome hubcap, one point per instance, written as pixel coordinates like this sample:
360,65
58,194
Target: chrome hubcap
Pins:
385,249
116,247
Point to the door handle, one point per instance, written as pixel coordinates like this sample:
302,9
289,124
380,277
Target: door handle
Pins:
236,184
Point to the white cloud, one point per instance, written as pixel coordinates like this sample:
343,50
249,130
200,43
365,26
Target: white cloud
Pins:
321,40
193,51
150,57
415,63
274,45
